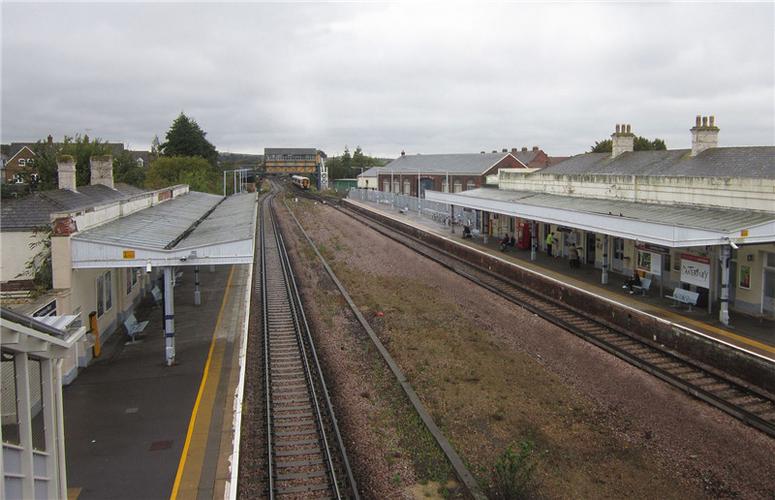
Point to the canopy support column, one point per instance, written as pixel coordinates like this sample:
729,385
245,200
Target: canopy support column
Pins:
197,295
723,314
533,242
169,316
452,218
604,275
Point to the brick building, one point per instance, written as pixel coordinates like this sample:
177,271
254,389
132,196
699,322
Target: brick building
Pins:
302,161
438,172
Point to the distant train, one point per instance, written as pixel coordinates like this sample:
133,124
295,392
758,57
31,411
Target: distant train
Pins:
300,181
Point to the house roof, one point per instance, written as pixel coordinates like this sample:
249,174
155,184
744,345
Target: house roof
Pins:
465,163
372,172
114,148
290,151
756,162
34,210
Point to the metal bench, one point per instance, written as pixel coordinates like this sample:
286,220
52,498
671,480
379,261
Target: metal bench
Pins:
643,288
133,327
681,296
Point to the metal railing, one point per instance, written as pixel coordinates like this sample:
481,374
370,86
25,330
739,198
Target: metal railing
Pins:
433,210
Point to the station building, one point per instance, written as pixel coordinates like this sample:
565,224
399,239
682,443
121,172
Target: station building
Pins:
699,219
409,174
302,161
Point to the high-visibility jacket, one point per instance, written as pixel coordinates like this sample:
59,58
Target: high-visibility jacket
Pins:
549,239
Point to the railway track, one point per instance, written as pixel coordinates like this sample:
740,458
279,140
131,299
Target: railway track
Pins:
305,454
744,402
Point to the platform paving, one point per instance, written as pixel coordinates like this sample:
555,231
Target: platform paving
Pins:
745,332
128,416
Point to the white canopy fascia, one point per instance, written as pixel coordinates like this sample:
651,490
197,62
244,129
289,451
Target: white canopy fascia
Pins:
92,254
648,232
22,338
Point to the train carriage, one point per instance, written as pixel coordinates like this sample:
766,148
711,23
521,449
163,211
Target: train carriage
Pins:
300,181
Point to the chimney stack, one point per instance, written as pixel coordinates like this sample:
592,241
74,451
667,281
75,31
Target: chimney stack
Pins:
504,150
704,134
66,172
102,170
622,141
494,150
514,150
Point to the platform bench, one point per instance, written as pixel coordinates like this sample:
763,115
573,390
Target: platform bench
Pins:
643,289
133,327
681,296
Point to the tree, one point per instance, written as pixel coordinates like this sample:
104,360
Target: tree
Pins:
639,144
192,170
186,138
126,169
46,164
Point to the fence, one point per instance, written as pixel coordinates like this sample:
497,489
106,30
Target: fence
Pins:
438,212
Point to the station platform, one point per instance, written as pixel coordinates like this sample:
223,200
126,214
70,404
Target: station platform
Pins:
745,332
135,428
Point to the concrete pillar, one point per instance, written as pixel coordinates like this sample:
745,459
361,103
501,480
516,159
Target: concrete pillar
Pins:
604,275
533,242
197,295
723,314
169,316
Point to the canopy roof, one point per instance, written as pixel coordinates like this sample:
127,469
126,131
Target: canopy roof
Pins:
192,229
668,225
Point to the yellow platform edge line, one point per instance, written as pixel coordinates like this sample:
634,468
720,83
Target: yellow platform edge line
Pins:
202,384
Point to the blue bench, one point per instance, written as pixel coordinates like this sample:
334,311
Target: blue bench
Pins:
681,296
133,327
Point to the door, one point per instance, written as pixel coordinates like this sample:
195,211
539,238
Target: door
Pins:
617,263
425,184
591,244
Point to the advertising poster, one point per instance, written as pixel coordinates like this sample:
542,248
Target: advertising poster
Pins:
745,277
695,270
650,262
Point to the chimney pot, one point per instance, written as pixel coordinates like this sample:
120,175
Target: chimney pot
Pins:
513,150
403,153
535,148
618,128
481,152
629,128
524,148
50,139
494,151
504,150
704,134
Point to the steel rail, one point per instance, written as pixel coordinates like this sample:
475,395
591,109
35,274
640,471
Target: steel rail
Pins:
308,342
529,298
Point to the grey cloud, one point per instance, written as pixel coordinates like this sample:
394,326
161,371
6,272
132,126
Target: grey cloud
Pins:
425,78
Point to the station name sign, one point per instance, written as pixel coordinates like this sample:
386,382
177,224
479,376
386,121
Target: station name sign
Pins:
695,270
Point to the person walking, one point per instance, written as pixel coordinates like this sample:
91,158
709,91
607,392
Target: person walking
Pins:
549,243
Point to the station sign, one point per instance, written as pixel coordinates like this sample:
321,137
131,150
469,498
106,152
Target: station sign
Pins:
695,270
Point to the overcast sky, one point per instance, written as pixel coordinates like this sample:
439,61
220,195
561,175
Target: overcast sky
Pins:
428,78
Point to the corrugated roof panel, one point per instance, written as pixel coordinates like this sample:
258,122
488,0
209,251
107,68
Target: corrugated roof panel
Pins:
715,219
467,163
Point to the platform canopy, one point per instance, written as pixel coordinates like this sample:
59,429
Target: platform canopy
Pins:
667,225
190,230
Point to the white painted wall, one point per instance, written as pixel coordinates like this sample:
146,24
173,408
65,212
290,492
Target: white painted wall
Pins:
15,252
750,194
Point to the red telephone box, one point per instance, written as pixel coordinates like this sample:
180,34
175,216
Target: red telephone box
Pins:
523,234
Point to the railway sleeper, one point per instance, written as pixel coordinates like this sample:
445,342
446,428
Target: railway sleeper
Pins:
296,433
298,452
301,475
301,489
297,442
306,416
301,463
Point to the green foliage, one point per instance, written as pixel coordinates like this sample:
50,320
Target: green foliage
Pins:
604,146
639,144
82,149
512,474
349,166
126,169
46,164
186,138
192,170
39,265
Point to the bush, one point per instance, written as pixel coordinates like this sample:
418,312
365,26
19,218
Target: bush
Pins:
512,474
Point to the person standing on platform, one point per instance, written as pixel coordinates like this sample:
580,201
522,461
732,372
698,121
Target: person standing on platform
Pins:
549,243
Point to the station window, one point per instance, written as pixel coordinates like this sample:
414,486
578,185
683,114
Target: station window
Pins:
444,186
407,187
386,186
470,185
457,186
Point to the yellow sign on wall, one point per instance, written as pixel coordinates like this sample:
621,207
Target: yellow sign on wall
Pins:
129,254
744,233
